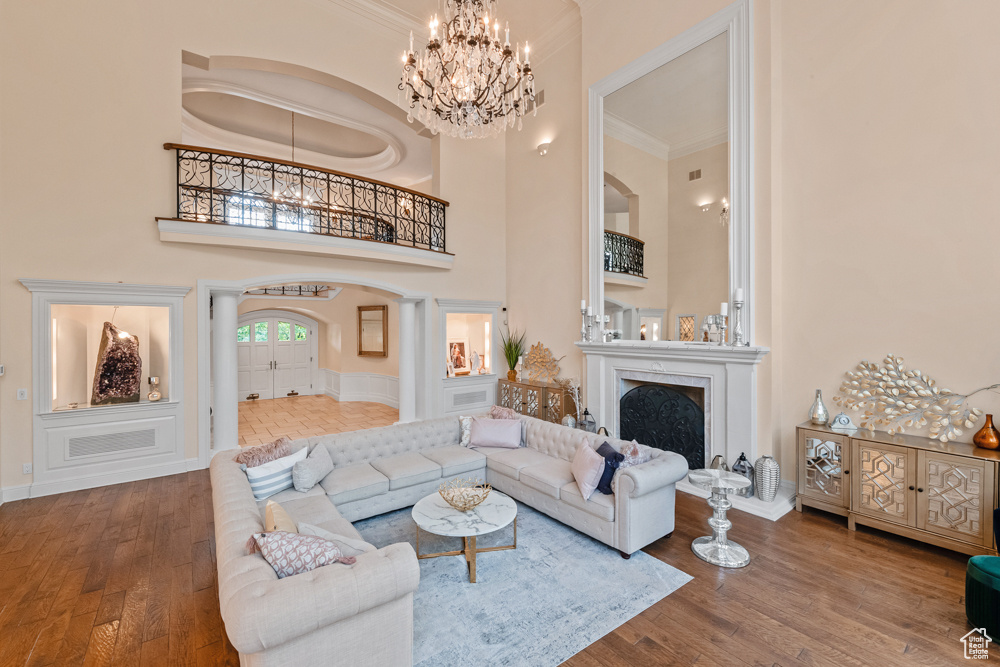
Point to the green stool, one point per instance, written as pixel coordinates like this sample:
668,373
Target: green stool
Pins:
982,590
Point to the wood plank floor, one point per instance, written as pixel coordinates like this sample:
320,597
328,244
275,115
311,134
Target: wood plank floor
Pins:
125,575
303,416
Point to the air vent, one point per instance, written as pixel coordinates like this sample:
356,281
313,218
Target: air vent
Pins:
694,175
469,398
539,101
108,443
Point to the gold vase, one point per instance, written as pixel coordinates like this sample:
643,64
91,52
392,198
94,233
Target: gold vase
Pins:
512,375
987,437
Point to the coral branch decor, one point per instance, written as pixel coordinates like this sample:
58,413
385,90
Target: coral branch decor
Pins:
540,364
895,398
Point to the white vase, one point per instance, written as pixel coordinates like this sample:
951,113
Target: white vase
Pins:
767,477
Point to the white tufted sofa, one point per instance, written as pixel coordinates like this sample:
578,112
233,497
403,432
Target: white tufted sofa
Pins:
363,615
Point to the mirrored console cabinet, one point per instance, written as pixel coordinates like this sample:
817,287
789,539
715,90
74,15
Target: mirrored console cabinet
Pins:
924,489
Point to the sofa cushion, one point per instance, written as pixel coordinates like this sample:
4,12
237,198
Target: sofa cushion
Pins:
314,509
454,460
407,469
600,505
306,474
356,482
290,495
349,546
273,476
547,477
510,461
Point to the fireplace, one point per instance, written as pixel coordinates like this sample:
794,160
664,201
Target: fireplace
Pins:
665,416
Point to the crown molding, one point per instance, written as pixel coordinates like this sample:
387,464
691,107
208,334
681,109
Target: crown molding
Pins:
622,130
383,15
586,5
102,289
560,32
700,142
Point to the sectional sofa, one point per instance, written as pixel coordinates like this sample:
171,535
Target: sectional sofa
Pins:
363,614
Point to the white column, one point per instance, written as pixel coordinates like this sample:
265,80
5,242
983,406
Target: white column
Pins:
407,359
225,400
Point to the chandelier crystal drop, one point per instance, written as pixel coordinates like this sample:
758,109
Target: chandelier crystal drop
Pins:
466,82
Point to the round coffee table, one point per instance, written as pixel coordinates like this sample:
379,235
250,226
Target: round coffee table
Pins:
435,515
717,549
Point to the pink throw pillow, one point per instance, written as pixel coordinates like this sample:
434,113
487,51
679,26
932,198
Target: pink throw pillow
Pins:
252,457
294,553
498,412
495,433
587,468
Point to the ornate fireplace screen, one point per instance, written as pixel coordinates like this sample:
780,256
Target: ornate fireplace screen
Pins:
664,418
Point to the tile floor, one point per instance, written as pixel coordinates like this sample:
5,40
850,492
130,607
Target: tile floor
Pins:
302,416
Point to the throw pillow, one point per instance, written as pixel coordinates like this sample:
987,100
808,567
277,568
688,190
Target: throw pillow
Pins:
498,412
291,553
612,461
348,546
464,430
587,468
277,517
266,480
633,455
252,457
306,474
495,433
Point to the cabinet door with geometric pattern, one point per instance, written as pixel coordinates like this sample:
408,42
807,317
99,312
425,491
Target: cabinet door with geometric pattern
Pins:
882,479
823,460
955,497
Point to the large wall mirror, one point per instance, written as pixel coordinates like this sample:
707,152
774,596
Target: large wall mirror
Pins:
670,210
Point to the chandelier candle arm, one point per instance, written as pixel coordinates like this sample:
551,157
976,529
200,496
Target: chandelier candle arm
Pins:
464,83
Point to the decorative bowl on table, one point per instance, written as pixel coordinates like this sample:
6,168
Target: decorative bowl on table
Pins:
464,494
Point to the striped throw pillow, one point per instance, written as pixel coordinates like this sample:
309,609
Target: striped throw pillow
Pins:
266,480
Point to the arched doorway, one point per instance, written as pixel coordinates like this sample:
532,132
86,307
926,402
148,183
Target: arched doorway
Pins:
218,363
277,354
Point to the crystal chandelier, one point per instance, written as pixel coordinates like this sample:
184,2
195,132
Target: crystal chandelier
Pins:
467,83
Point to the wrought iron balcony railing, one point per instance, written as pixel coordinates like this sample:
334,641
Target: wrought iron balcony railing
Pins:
216,186
622,253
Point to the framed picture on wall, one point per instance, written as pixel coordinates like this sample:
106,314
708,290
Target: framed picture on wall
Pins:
458,355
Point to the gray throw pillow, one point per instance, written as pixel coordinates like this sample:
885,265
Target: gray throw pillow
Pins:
307,474
349,546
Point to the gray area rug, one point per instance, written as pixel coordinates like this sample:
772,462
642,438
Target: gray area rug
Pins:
539,604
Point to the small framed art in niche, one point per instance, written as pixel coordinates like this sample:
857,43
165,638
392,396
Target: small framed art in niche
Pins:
373,331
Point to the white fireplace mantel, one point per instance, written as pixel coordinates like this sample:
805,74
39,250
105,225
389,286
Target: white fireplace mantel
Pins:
727,374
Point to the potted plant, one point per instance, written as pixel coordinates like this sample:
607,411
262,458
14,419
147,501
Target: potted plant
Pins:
513,349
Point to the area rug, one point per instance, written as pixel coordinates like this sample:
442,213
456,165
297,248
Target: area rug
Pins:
537,605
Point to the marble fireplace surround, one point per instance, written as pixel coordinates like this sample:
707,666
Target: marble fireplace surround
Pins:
728,376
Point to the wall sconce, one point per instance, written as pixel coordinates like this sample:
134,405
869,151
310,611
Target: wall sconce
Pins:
724,215
544,148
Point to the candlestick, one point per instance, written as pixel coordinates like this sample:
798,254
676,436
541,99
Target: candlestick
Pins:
724,309
738,325
583,321
722,328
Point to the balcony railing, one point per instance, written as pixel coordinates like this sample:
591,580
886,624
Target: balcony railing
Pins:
622,253
220,187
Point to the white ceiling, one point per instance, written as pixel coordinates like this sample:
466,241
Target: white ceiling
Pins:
682,104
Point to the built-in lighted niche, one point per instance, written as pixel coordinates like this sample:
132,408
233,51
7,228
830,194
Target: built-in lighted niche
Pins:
469,344
76,343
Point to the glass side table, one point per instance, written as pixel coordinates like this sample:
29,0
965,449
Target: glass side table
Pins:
717,549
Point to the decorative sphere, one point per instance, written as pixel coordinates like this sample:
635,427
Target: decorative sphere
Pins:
569,420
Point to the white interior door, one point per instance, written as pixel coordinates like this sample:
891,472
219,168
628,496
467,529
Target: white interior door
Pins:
292,357
276,355
254,341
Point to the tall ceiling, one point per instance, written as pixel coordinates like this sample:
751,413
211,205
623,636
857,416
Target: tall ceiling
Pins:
683,103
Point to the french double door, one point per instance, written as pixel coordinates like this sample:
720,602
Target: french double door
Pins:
276,355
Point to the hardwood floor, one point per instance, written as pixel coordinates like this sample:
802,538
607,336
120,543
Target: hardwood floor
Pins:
125,575
303,416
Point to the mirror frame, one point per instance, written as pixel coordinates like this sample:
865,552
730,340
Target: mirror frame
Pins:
384,352
736,20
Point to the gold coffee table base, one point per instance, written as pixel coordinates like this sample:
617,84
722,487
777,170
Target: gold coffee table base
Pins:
469,551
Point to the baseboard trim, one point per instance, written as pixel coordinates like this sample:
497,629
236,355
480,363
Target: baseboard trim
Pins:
367,387
782,504
12,493
39,489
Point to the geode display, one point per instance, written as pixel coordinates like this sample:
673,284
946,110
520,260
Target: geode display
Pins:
118,375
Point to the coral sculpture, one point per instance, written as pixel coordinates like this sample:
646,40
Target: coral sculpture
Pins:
895,398
540,364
